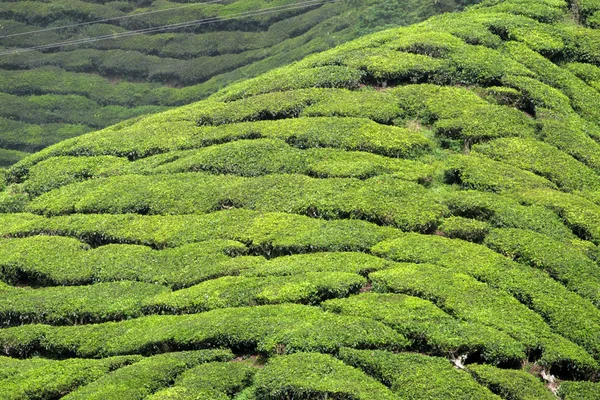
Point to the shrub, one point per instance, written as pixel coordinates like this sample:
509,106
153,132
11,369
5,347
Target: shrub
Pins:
471,230
414,376
510,384
562,261
431,329
313,375
45,379
579,390
266,329
542,159
310,288
385,199
76,305
147,376
215,379
563,310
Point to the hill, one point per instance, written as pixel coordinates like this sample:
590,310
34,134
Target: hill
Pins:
414,214
54,93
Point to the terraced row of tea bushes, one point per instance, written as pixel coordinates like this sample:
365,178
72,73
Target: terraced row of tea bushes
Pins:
384,199
43,378
124,300
542,159
216,380
256,157
70,109
510,384
76,305
420,320
310,288
265,329
48,260
565,263
579,390
414,376
466,298
531,287
148,375
313,375
126,139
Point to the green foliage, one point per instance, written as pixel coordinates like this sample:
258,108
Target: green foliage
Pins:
579,390
542,159
147,375
414,376
562,261
384,199
313,375
471,230
76,305
310,288
44,379
266,329
420,320
565,312
510,384
215,379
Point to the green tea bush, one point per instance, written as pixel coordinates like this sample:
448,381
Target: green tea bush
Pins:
266,329
484,174
510,384
314,375
59,171
310,288
464,297
384,200
578,213
420,320
579,390
53,379
268,234
51,260
471,230
562,261
147,375
562,310
76,305
503,211
542,159
346,262
222,379
415,376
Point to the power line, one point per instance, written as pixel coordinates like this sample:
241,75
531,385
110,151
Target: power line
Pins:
271,10
109,19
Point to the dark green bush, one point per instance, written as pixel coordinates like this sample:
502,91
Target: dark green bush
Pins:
415,376
266,329
510,384
313,375
432,330
147,376
310,288
216,379
562,261
471,230
579,390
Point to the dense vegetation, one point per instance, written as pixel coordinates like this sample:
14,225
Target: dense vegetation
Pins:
52,94
414,214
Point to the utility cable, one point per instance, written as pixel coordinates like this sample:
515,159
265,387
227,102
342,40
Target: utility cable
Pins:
266,11
110,19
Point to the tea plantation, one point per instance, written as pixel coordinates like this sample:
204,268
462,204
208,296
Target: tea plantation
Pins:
414,214
54,93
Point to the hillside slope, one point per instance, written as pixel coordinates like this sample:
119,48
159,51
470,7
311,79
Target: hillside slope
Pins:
414,214
55,93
